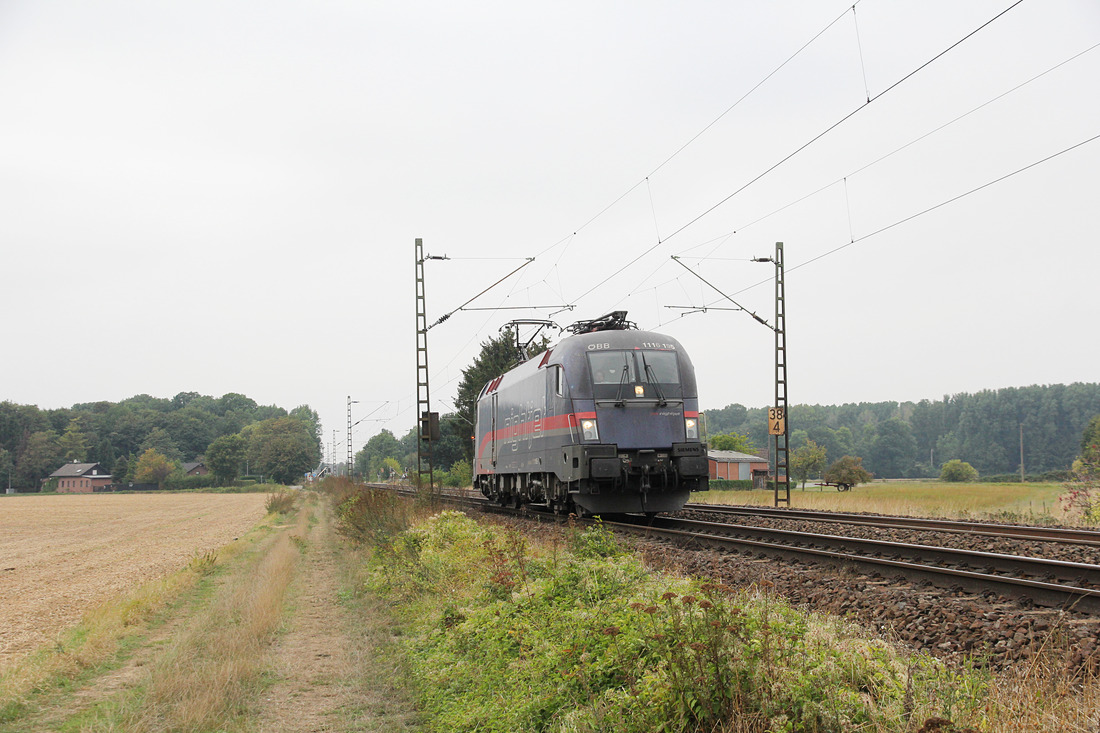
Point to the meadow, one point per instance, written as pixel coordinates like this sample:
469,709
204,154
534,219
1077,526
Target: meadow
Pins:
1027,502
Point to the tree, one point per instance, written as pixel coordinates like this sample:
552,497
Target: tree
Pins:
73,444
497,356
731,441
39,459
957,471
282,448
806,460
461,473
380,446
894,450
7,465
1090,442
224,456
159,440
153,468
849,471
123,470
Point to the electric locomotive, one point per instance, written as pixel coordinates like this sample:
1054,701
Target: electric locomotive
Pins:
604,422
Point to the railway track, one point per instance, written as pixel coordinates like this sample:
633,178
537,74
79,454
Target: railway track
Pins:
1090,538
1052,583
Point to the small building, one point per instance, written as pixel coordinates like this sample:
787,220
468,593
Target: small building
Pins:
734,466
80,478
195,468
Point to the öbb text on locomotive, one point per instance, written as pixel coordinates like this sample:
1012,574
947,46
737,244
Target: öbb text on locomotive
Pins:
606,421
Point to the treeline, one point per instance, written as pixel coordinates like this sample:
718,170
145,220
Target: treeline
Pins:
386,455
269,439
907,439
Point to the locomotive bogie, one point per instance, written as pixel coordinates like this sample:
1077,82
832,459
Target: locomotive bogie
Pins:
601,423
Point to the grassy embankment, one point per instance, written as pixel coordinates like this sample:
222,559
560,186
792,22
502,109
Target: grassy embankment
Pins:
1032,502
508,634
216,617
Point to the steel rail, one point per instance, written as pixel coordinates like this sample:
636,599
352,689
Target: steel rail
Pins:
1008,531
844,550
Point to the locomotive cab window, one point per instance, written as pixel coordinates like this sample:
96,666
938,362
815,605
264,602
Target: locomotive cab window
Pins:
660,367
559,380
612,367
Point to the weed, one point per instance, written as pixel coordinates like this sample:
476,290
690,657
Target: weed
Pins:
595,541
281,502
203,563
370,517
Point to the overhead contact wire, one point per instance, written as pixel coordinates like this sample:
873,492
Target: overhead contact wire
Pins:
881,158
802,147
911,217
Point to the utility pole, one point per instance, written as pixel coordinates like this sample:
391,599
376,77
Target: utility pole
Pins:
423,401
782,454
778,424
350,455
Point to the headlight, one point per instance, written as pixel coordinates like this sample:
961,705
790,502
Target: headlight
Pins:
588,429
691,428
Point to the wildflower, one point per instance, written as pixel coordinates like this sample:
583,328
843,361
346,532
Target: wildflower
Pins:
705,604
650,609
697,646
636,605
668,596
611,631
687,600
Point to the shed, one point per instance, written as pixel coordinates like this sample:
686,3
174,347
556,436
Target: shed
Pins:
729,464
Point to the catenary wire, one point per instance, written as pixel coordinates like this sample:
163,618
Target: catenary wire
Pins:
911,217
798,150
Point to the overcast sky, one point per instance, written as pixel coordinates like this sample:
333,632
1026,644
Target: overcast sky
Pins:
223,196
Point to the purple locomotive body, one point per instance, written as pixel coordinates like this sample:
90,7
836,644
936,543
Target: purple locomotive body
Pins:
604,422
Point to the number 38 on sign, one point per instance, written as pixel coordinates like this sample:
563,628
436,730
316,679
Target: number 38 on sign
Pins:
777,421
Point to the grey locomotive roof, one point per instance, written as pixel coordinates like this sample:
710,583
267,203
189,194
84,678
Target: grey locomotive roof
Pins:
627,338
732,456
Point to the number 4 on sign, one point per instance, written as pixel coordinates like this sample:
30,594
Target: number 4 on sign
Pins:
776,421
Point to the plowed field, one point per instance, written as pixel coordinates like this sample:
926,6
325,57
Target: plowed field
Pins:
61,555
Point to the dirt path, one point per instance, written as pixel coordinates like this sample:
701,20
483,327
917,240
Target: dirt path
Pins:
333,669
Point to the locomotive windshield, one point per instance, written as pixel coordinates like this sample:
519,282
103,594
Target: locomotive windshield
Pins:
634,374
660,366
612,367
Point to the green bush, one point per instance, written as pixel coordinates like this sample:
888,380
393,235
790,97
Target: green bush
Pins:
722,484
184,483
505,639
956,471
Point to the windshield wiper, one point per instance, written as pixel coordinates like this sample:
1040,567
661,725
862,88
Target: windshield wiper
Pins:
661,401
622,380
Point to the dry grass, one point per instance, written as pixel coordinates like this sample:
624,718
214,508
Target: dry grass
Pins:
1028,501
1044,697
206,676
